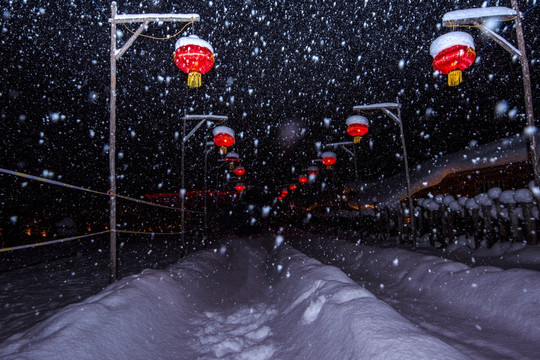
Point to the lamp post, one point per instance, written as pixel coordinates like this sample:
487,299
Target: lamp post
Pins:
385,108
477,18
202,119
115,54
343,145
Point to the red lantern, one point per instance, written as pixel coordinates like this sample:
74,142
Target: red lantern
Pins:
452,53
195,57
223,137
357,126
284,192
239,187
232,158
292,187
239,171
328,159
313,171
303,179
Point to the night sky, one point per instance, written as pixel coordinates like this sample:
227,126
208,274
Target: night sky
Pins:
287,73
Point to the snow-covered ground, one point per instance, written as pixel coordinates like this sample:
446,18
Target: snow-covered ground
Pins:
260,298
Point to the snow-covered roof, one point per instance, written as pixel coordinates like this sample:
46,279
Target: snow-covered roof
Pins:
431,173
193,40
479,13
450,39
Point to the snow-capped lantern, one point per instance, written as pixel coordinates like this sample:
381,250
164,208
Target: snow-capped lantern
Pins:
223,137
232,159
292,187
357,126
328,159
452,53
240,187
312,171
193,56
239,171
302,179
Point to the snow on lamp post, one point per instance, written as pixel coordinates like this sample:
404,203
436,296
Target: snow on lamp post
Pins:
452,53
115,55
357,126
232,159
328,159
312,171
240,187
194,56
342,145
385,108
478,18
239,171
202,119
223,137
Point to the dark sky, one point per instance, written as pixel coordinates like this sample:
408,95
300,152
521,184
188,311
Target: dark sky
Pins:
287,74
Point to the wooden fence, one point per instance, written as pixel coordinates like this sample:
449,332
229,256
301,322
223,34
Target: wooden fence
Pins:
496,216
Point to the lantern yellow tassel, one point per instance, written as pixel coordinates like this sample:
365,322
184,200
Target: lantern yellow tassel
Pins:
357,139
231,166
328,167
223,150
194,79
454,78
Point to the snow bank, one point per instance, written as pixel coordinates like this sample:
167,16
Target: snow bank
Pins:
323,302
484,292
234,302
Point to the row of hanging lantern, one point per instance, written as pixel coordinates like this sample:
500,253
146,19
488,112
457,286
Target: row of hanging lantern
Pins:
357,126
195,56
452,53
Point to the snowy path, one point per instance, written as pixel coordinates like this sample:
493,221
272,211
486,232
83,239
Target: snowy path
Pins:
237,302
485,312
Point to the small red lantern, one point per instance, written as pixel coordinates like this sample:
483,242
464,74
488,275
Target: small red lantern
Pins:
239,171
313,171
357,126
303,179
328,159
195,57
223,137
232,158
284,192
452,53
240,187
292,187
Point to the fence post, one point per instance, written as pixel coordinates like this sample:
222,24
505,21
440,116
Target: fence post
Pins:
530,222
488,227
513,222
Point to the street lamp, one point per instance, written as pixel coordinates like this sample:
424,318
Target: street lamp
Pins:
385,108
343,145
144,19
202,119
477,18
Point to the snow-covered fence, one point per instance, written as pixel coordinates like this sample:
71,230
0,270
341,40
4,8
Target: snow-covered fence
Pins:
489,217
495,216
